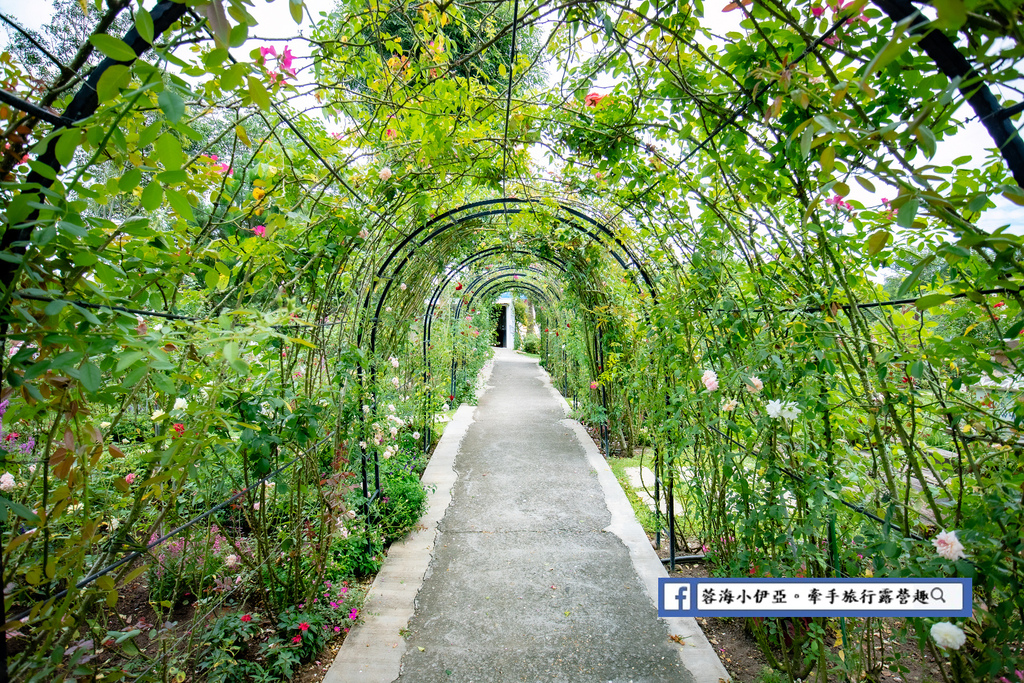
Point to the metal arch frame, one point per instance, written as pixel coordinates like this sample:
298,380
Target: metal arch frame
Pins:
471,259
505,210
428,320
478,288
382,270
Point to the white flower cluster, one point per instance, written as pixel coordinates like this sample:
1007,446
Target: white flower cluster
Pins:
787,410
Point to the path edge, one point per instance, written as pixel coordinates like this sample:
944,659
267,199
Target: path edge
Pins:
373,650
696,654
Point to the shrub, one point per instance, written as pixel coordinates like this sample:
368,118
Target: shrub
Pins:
223,654
192,566
355,555
402,504
531,344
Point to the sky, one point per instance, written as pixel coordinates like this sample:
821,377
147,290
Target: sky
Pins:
276,22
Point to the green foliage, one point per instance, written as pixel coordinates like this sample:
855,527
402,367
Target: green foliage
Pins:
724,208
401,506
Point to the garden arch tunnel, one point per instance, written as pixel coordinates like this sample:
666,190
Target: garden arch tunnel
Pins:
391,269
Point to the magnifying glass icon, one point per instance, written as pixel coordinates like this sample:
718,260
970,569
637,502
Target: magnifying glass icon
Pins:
937,594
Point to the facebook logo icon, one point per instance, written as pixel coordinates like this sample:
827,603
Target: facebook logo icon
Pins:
676,596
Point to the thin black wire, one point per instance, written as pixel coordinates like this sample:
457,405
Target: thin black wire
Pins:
796,477
175,316
163,539
869,304
156,314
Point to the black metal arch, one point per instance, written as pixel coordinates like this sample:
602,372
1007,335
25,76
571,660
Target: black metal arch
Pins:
602,234
469,260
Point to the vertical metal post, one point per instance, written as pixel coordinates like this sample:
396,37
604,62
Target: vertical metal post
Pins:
657,499
671,522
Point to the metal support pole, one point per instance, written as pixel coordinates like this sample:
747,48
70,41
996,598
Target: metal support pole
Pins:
671,522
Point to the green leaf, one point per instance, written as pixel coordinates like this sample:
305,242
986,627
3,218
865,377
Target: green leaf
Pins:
865,183
115,48
152,195
111,82
911,280
168,150
130,180
828,159
892,50
295,7
171,105
144,25
172,177
54,307
89,376
917,369
1014,194
931,300
905,217
1014,331
926,138
877,241
128,359
84,259
180,204
239,34
952,14
67,144
259,94
841,189
977,203
806,139
16,508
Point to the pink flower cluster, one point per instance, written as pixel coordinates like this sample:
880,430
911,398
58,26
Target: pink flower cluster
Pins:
838,202
284,64
221,167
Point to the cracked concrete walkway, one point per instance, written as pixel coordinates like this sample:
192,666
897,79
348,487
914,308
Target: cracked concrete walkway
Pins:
537,573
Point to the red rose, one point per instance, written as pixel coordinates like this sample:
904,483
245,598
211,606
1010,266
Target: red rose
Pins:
246,618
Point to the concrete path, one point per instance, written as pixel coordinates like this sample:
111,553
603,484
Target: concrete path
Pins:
539,570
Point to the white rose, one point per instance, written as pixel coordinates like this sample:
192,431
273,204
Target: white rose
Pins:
949,546
180,404
948,635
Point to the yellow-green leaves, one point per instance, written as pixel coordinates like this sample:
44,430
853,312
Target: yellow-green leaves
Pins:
144,25
152,195
113,79
877,241
168,151
295,7
171,105
931,301
952,14
112,47
259,94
